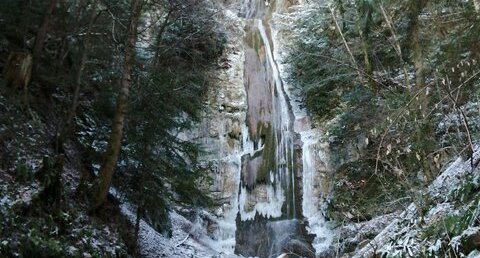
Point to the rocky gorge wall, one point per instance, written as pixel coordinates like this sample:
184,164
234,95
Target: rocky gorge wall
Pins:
231,133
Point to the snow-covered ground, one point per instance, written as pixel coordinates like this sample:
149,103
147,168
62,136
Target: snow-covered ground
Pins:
185,241
403,235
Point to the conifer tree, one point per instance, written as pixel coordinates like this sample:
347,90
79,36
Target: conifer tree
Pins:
113,149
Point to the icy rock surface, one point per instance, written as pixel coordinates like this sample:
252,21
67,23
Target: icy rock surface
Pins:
251,107
188,239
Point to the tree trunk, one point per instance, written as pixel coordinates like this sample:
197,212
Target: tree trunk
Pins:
50,177
418,59
423,129
159,39
396,46
418,63
111,156
65,48
42,33
17,70
367,62
350,54
140,213
23,19
78,78
364,33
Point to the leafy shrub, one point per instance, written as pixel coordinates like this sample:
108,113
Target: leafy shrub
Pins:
359,194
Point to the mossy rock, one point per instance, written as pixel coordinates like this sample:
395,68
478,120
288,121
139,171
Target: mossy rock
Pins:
359,194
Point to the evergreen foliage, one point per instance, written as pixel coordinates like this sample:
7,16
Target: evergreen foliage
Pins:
394,84
178,44
393,73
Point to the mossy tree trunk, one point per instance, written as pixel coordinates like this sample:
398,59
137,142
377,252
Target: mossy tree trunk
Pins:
50,177
416,8
424,130
364,23
113,148
368,64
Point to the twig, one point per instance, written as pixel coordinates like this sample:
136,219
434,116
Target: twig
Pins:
352,58
341,63
464,120
183,241
457,88
390,125
448,237
396,44
475,214
405,108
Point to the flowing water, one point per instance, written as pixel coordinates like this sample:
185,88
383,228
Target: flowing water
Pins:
269,220
268,172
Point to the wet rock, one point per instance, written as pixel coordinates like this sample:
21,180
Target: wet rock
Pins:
299,247
470,239
230,107
224,181
224,63
358,235
328,253
251,240
235,131
213,132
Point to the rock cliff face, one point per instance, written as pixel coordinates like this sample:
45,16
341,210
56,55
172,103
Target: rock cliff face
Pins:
269,168
274,169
